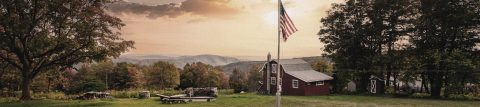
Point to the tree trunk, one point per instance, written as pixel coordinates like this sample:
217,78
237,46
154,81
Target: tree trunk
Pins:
435,90
389,73
422,86
436,86
463,84
49,83
428,83
27,80
446,91
395,82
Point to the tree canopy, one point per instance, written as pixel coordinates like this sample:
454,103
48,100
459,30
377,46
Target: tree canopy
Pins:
201,75
435,40
38,35
162,75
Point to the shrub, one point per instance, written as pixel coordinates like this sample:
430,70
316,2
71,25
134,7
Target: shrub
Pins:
420,95
8,99
51,95
170,92
225,91
238,81
124,94
463,97
88,85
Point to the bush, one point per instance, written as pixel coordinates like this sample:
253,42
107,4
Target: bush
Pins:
420,95
124,94
88,85
9,94
238,81
170,92
8,99
134,93
463,97
51,95
225,92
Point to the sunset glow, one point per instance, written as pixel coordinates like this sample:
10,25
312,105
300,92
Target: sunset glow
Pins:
271,18
221,27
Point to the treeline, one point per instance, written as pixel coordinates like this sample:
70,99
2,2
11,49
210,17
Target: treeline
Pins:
107,75
432,41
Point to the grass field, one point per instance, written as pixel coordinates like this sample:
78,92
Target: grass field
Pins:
253,100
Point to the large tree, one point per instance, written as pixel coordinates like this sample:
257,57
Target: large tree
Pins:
199,74
38,35
440,37
352,36
447,33
162,75
124,76
238,81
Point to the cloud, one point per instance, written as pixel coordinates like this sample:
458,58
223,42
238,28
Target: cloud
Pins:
207,8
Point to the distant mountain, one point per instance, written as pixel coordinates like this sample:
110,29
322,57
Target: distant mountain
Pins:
228,64
179,62
313,59
243,66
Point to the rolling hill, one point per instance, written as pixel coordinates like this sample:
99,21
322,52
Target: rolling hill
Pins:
228,64
179,61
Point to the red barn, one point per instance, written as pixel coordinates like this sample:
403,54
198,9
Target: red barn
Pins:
298,78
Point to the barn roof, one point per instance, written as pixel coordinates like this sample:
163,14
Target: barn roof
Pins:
309,75
302,70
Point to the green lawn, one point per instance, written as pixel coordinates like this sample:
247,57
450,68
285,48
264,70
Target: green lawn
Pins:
253,100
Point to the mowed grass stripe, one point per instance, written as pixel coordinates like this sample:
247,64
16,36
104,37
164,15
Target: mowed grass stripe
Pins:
254,100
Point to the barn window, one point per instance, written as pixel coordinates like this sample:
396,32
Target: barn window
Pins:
294,83
274,68
273,80
319,83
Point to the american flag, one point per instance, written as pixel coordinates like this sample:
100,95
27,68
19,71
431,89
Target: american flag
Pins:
286,25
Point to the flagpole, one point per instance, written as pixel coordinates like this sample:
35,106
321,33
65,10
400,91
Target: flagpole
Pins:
277,98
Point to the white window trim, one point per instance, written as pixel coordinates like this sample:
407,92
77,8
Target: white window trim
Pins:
318,83
280,81
293,83
373,86
274,68
273,80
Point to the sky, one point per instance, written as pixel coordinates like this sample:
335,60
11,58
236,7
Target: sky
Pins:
220,27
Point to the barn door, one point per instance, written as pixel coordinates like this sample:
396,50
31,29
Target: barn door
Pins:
373,86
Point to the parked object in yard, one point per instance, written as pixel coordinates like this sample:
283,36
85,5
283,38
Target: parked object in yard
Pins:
351,86
94,95
208,91
191,94
171,99
183,98
143,94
